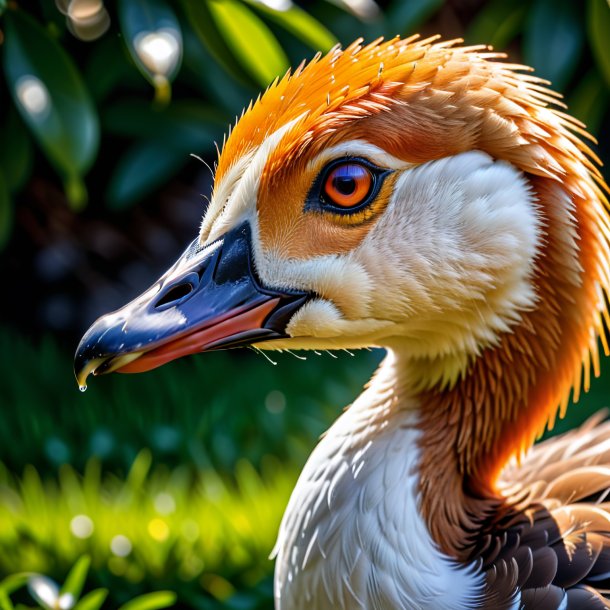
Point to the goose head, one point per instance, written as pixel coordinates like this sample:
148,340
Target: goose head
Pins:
410,194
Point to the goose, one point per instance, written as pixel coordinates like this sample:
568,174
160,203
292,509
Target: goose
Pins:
431,199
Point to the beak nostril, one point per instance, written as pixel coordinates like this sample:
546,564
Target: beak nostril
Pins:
174,294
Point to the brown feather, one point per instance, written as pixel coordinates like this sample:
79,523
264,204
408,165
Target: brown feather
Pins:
553,544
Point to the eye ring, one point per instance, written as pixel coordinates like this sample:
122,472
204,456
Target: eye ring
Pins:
345,186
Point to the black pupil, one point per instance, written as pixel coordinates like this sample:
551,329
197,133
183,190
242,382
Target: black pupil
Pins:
345,185
344,180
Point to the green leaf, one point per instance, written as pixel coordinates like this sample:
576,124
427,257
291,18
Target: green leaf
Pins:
599,35
250,39
205,74
186,126
76,192
75,581
5,602
139,471
153,36
50,95
553,40
497,24
151,601
300,24
93,600
142,169
6,213
14,581
2,6
405,16
200,17
108,66
16,154
589,100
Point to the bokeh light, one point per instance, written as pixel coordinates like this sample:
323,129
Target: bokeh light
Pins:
159,51
87,19
81,526
33,96
120,545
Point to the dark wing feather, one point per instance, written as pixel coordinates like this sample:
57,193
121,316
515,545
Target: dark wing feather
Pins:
551,544
544,598
585,597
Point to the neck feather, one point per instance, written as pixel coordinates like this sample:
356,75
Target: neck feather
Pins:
353,534
511,391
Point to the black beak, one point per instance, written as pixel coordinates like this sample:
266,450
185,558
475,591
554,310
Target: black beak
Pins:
210,299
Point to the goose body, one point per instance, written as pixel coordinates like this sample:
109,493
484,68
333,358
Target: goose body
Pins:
426,198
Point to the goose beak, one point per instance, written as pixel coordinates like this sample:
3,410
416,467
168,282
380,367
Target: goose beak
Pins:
209,299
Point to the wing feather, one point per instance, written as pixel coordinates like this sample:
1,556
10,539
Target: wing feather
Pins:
552,543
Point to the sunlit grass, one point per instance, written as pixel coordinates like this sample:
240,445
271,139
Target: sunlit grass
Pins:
156,527
50,595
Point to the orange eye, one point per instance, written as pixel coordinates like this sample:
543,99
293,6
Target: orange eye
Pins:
347,185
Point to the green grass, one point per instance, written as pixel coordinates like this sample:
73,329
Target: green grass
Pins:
208,410
159,528
70,595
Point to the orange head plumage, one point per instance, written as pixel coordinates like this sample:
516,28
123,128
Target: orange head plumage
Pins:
480,251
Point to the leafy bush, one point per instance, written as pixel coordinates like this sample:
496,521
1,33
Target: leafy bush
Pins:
63,84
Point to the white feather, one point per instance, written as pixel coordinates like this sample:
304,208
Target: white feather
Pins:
352,535
235,196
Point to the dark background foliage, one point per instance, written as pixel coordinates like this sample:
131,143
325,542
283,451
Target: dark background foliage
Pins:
109,117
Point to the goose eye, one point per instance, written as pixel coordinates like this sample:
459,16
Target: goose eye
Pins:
347,185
